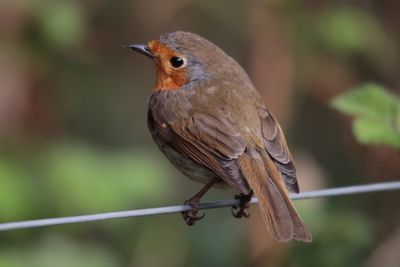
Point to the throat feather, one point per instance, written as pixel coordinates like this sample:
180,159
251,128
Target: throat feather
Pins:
171,81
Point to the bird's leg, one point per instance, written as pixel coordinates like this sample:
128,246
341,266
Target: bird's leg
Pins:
240,210
190,216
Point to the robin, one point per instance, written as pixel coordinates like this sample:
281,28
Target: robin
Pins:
210,122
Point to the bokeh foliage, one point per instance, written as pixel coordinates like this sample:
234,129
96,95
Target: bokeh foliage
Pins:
376,112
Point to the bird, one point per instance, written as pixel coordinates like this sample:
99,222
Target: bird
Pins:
208,119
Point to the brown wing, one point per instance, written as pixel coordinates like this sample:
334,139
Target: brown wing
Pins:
275,145
210,141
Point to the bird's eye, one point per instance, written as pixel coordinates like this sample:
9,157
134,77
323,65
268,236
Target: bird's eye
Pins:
176,62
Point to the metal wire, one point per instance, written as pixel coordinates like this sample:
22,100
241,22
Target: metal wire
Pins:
350,190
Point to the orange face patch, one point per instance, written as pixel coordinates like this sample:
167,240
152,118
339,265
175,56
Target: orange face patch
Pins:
167,77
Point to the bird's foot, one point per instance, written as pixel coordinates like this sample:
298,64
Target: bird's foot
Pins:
191,216
241,210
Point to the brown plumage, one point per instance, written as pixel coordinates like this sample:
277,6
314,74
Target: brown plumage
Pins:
207,118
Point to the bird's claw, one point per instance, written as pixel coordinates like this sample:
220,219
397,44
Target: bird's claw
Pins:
241,210
191,216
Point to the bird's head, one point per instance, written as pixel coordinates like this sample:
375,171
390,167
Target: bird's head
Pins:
184,58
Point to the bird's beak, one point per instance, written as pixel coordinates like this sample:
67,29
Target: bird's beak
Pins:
143,49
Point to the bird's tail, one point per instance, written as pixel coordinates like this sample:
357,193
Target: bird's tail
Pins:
277,209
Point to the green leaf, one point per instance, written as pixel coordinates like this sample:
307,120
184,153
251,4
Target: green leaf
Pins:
369,131
377,114
370,100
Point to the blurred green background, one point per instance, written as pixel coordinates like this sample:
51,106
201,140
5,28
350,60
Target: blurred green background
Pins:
73,135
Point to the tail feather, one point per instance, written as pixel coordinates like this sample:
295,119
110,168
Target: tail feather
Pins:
277,210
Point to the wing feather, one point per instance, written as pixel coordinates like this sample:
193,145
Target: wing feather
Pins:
210,141
275,145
